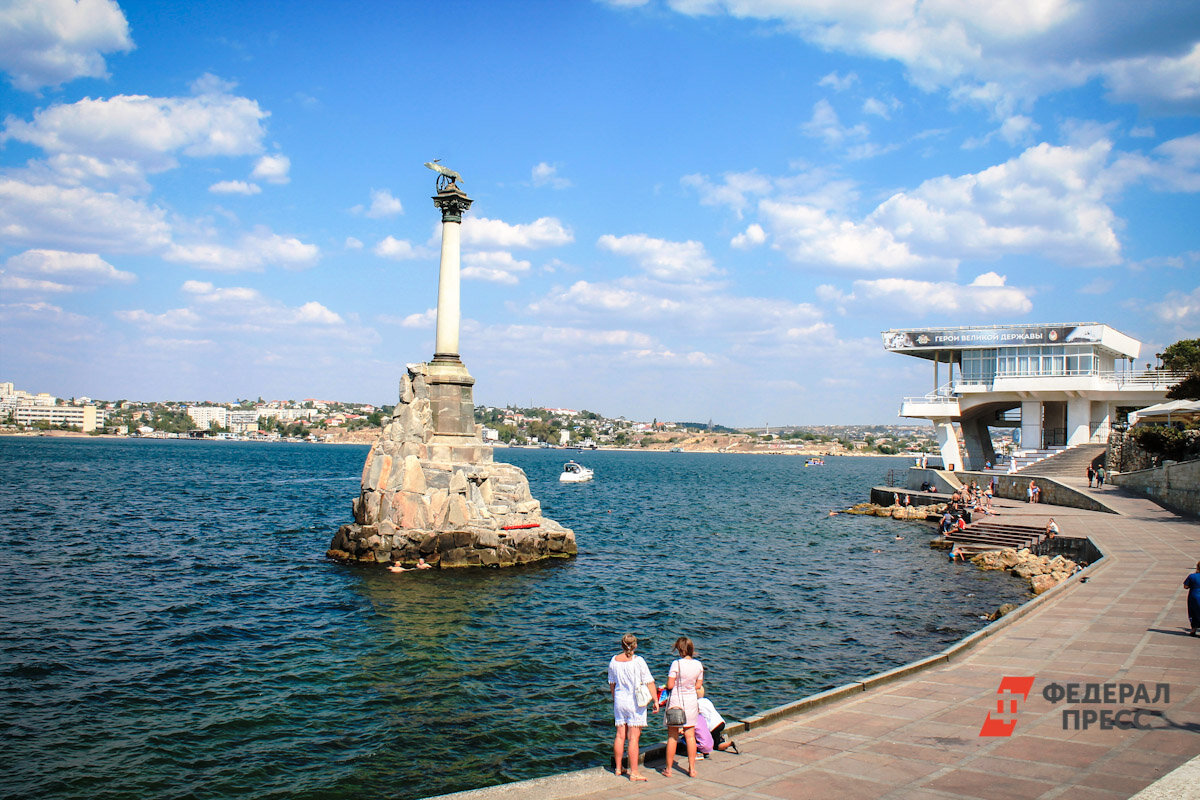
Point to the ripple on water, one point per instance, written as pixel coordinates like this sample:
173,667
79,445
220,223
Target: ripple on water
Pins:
182,636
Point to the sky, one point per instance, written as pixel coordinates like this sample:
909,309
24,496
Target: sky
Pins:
683,209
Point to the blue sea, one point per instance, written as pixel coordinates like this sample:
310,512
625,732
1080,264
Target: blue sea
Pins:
172,629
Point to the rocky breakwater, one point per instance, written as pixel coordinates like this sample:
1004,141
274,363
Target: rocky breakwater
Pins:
1042,572
897,511
442,498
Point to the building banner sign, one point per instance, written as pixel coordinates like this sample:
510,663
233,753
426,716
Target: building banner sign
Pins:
989,337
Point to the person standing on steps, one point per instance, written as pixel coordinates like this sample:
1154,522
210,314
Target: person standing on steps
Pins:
1091,475
1100,477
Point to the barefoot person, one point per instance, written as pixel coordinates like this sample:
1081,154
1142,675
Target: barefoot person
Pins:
626,672
686,675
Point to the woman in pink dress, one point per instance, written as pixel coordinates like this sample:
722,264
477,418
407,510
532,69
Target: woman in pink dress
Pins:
685,676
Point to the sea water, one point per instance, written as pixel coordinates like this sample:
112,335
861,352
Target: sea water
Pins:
171,628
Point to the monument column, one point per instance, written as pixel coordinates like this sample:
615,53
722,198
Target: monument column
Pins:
453,203
451,399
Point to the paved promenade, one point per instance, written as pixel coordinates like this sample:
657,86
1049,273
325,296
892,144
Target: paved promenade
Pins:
917,738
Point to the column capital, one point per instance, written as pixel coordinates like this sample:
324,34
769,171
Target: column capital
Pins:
453,203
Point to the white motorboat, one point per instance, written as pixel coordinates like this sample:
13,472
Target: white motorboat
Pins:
575,473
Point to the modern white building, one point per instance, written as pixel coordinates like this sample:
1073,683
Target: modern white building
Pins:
243,421
205,416
82,417
1060,384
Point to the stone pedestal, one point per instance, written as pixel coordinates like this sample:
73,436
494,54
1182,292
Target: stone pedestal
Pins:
431,490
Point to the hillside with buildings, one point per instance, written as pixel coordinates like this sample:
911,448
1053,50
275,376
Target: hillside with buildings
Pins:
311,419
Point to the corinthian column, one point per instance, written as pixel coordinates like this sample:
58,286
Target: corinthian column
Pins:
452,202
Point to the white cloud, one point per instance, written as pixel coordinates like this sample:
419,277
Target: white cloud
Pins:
78,219
826,126
1180,308
424,320
481,233
880,108
734,191
1002,54
547,175
18,283
353,243
813,237
59,271
584,297
272,169
753,236
235,309
986,296
175,319
74,169
49,42
383,204
1159,82
235,187
1048,200
839,83
255,250
147,131
398,249
497,266
313,313
660,258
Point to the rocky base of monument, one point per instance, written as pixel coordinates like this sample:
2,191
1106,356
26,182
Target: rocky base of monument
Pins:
446,501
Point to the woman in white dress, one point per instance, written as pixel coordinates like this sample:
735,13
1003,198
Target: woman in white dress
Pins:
686,675
625,672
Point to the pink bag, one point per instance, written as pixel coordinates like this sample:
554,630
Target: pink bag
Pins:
704,740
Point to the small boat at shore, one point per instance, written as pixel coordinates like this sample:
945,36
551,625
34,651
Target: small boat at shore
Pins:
575,473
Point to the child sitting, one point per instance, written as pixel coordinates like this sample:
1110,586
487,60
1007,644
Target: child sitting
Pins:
715,722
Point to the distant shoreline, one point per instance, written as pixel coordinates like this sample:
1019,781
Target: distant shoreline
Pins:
764,452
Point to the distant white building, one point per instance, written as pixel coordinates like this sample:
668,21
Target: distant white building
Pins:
1060,384
242,421
82,417
205,416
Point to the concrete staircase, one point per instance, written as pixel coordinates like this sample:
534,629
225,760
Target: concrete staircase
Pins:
1070,462
988,535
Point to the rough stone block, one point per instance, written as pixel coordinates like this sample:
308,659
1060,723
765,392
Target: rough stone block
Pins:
439,502
489,558
371,510
487,539
459,513
458,482
414,476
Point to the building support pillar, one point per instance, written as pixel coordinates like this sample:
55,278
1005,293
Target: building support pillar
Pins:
1031,424
977,441
1079,421
947,438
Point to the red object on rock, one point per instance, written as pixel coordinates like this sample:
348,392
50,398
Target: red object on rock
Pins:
520,527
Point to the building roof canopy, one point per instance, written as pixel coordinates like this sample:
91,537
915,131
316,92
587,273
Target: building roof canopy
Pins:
932,343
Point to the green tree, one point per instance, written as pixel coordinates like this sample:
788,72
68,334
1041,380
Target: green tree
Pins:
1184,356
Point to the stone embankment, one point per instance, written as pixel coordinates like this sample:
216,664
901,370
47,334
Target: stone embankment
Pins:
1042,572
447,503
